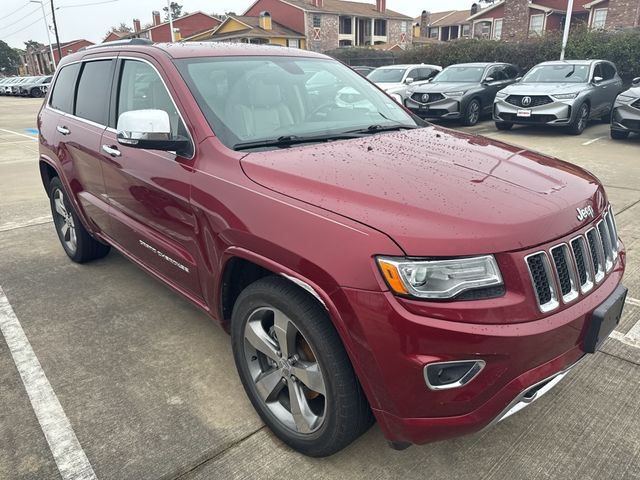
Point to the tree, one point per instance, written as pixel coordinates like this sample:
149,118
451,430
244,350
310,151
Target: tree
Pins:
176,11
123,29
9,59
32,45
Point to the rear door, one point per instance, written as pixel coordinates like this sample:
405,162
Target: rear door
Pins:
149,190
83,108
495,79
612,84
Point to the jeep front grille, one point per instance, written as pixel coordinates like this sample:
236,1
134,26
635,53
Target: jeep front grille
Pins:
565,271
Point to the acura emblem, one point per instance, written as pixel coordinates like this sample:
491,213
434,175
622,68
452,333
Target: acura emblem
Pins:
425,97
584,213
526,101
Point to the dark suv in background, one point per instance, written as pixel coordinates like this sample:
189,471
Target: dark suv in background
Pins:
461,92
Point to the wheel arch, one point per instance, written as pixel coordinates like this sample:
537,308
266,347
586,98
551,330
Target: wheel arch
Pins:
47,172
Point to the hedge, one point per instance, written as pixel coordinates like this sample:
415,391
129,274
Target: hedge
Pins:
622,48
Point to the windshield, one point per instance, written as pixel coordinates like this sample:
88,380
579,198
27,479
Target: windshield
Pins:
568,73
460,74
387,75
250,99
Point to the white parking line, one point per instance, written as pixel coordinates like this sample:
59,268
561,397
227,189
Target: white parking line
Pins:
633,301
68,454
5,227
593,141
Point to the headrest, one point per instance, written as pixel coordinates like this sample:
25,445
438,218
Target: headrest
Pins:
264,92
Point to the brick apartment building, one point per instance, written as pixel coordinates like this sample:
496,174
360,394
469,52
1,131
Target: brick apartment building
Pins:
37,61
518,19
329,24
159,31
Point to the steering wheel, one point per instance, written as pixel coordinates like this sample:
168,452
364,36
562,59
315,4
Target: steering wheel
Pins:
325,107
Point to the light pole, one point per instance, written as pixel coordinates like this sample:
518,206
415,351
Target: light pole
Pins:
173,38
567,25
46,27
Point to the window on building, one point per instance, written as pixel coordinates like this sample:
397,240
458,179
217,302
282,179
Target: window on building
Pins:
403,27
293,43
536,24
466,30
599,18
497,29
63,89
346,43
317,21
380,28
345,26
434,32
94,89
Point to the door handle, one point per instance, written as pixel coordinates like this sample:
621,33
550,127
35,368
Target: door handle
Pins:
114,152
63,130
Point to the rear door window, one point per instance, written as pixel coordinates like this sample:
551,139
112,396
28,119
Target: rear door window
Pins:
64,88
94,89
608,71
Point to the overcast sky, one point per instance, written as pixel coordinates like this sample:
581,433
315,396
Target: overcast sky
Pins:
21,20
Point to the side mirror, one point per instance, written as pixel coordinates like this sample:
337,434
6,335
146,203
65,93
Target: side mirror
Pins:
151,130
636,81
597,80
408,80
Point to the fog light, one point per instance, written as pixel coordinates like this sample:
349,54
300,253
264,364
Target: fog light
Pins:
445,375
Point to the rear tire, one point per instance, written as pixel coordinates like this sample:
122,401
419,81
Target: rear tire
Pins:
504,125
76,241
472,113
580,122
283,344
619,134
36,93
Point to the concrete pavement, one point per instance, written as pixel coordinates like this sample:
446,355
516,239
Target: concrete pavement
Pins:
149,387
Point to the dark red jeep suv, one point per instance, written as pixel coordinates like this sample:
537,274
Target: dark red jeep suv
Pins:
366,264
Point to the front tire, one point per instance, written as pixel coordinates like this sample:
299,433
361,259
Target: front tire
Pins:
295,370
472,113
580,122
76,241
619,134
36,93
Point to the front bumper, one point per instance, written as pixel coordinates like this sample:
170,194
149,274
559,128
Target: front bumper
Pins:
396,344
556,113
626,118
446,108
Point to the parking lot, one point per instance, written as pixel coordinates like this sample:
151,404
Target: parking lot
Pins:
149,387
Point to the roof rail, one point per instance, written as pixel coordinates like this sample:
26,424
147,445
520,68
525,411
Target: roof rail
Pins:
116,43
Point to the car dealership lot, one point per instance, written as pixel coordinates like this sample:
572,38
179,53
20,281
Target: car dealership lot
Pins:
149,387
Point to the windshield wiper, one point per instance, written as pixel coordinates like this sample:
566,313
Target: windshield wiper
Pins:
382,128
289,140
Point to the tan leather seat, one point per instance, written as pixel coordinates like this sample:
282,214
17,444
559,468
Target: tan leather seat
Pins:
255,108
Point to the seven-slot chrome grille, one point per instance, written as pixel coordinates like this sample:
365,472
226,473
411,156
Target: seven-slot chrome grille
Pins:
569,269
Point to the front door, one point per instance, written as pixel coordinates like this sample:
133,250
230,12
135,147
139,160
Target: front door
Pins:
148,190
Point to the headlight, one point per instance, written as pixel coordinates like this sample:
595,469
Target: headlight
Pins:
455,94
396,97
439,279
501,95
625,98
565,96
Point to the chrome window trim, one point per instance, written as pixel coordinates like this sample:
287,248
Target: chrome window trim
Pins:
105,127
600,274
546,264
588,261
464,380
573,273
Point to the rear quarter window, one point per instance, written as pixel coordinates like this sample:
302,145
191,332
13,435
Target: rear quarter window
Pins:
63,89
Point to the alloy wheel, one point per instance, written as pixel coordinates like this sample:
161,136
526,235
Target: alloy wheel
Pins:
582,119
64,222
474,113
284,370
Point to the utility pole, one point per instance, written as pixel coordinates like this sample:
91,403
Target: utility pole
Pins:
55,29
46,27
567,26
173,37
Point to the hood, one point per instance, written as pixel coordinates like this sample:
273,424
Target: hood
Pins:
435,191
632,92
543,88
444,87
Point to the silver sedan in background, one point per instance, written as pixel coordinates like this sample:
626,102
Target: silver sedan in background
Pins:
561,93
626,112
